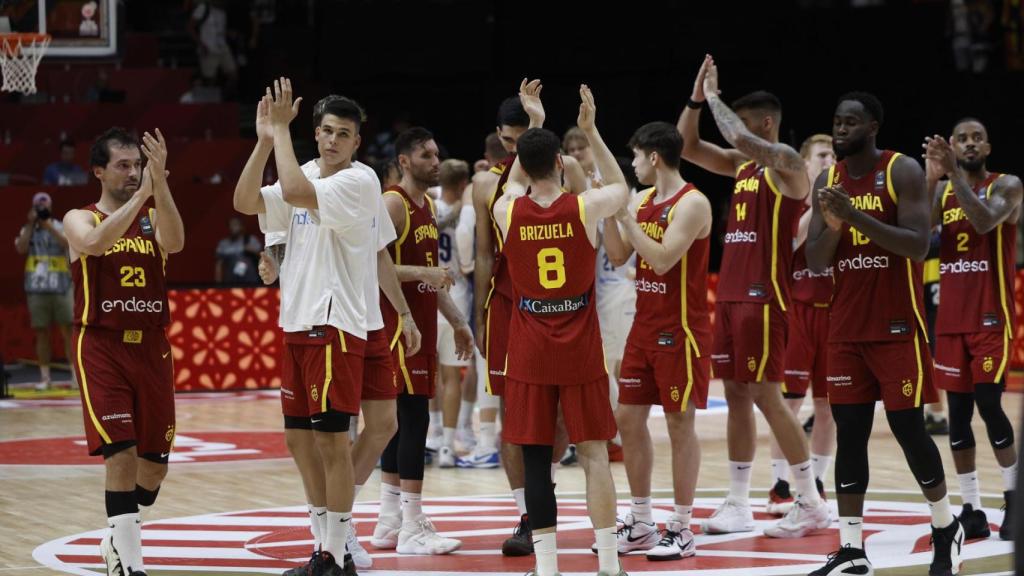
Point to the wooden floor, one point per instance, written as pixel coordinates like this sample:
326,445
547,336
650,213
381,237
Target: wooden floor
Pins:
41,503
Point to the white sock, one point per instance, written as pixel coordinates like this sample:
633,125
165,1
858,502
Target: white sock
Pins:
545,548
970,491
640,507
488,436
315,514
126,531
321,518
607,550
338,524
803,480
780,470
683,514
942,514
412,506
448,437
1009,476
820,464
739,481
466,414
851,531
435,421
519,495
390,500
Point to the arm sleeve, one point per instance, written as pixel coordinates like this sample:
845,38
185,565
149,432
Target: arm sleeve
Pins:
386,233
340,199
465,236
278,214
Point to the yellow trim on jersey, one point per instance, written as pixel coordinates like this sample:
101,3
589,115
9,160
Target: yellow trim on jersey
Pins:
946,193
766,333
405,229
742,166
344,345
831,175
498,169
508,215
920,368
398,332
650,192
327,378
932,267
1001,273
490,216
775,239
85,390
404,369
430,203
888,178
690,340
913,298
487,351
689,377
85,289
583,210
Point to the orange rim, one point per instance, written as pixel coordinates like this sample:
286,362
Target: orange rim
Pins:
12,42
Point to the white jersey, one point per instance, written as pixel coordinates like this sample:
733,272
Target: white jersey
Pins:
384,230
611,278
325,268
448,254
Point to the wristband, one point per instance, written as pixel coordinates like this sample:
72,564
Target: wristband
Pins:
691,103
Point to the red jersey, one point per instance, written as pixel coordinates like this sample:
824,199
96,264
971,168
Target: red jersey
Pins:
809,287
878,295
671,308
416,246
500,282
124,289
554,336
976,270
758,249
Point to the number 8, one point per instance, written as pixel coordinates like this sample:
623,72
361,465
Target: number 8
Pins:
551,260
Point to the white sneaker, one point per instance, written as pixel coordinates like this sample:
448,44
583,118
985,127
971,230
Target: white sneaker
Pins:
634,535
446,457
730,517
801,519
676,543
434,440
360,556
385,534
464,435
422,538
479,458
110,556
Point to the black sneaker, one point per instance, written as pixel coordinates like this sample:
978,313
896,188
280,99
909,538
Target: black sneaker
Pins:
936,426
569,459
521,542
809,424
846,561
975,523
305,569
947,544
1006,530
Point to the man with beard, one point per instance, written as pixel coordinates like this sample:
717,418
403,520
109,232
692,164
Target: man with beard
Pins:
976,321
870,223
118,249
401,523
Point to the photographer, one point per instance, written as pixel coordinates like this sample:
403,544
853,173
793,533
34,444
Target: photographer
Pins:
47,279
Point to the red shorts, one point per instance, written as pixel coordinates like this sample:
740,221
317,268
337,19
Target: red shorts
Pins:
898,372
499,316
963,360
750,341
531,412
323,370
806,351
417,374
126,380
667,377
379,379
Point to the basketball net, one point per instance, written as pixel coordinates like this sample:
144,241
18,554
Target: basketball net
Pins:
19,58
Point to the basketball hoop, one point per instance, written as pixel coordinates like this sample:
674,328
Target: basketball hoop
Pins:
19,58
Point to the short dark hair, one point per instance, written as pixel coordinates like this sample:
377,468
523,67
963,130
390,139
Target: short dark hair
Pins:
512,113
660,137
538,150
967,119
759,100
872,105
410,139
493,147
340,106
99,153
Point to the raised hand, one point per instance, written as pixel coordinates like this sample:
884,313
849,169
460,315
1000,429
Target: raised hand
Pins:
588,109
155,150
282,109
529,96
835,205
145,189
710,85
264,129
698,84
940,152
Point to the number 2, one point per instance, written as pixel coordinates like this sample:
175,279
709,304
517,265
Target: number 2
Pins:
551,260
961,241
133,277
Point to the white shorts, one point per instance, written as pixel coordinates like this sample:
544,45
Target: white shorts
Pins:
446,346
616,307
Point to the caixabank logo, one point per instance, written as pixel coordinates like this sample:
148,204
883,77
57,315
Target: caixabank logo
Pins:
896,528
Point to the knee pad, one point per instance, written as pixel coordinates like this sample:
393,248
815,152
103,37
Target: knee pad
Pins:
331,421
540,492
389,457
413,421
989,399
918,447
961,412
853,429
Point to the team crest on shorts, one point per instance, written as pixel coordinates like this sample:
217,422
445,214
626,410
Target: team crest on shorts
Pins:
751,364
313,393
169,436
674,394
987,364
908,388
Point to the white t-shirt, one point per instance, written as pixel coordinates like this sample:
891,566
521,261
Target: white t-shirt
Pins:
448,254
323,276
384,230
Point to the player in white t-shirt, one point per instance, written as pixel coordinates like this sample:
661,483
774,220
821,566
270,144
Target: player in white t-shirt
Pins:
325,209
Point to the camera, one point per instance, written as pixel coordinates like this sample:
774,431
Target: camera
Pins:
43,212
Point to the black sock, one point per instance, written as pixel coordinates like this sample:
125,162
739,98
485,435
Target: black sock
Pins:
120,503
